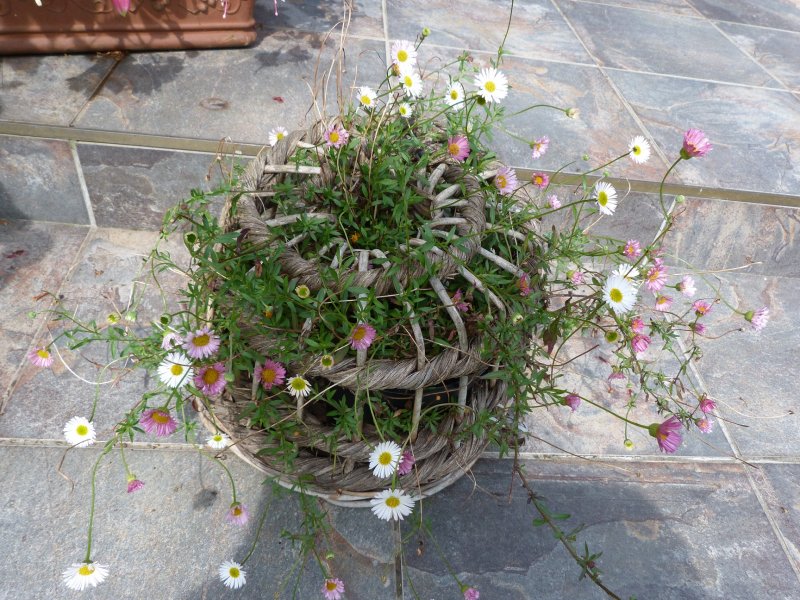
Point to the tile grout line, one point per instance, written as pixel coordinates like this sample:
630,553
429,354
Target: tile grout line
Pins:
14,380
560,457
73,146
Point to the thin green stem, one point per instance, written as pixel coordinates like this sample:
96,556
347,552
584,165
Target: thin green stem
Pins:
258,532
88,557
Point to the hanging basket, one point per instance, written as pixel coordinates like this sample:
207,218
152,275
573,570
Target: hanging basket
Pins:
455,375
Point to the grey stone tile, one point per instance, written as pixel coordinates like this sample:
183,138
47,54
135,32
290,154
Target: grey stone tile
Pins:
777,51
34,257
702,520
321,16
168,539
38,181
537,28
715,234
753,145
49,90
240,94
677,7
780,14
780,485
655,42
131,188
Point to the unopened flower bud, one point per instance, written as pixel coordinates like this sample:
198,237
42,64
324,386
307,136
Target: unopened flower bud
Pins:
628,444
680,198
612,336
572,113
425,32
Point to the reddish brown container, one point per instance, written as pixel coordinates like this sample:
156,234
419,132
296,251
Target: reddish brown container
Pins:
93,25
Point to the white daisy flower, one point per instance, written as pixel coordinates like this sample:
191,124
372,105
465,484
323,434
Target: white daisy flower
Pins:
392,504
82,575
79,432
383,460
277,134
218,441
367,96
639,150
412,83
627,272
404,55
232,574
492,85
405,110
606,197
455,95
619,294
176,370
298,387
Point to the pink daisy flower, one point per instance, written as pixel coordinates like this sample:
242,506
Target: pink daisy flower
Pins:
701,307
554,202
667,434
640,342
540,180
171,340
458,148
576,277
573,401
363,335
707,405
211,379
758,319
333,589
134,485
269,374
458,302
41,357
471,594
237,514
158,422
506,181
637,324
202,343
663,303
336,136
121,6
695,143
539,146
705,425
406,463
698,328
686,286
616,375
632,249
524,285
656,278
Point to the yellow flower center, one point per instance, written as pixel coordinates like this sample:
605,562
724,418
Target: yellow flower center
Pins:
501,181
408,81
333,137
237,511
636,150
393,502
176,370
298,384
454,94
82,430
403,110
453,149
359,334
538,180
402,56
86,570
201,340
43,353
330,585
217,438
490,86
234,572
211,376
268,312
268,375
280,135
366,100
385,458
602,198
615,294
160,417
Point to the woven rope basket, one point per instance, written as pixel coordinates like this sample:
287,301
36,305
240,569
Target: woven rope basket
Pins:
442,456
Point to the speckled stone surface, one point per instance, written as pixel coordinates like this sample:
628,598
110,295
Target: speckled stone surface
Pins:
321,16
236,94
781,14
49,90
780,486
39,181
777,51
656,42
668,531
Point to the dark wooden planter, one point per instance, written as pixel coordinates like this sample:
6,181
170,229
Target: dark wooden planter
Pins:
93,25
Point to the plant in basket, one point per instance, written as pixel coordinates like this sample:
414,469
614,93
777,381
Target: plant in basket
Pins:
380,298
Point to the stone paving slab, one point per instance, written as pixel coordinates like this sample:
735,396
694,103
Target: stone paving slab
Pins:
167,540
780,486
38,181
321,16
667,531
780,14
677,7
777,51
49,90
639,40
753,131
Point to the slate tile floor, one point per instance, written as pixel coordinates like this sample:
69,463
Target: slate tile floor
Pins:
83,182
